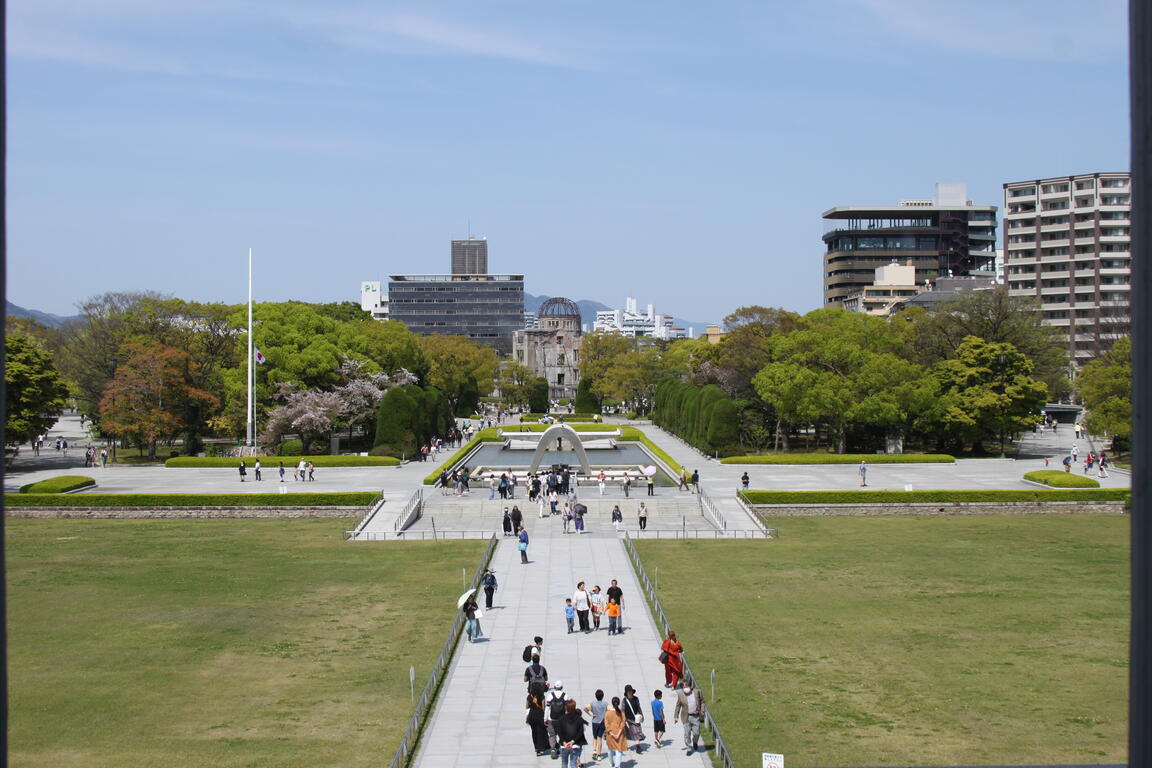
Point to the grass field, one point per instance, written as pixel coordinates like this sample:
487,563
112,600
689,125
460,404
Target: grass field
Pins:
222,643
911,641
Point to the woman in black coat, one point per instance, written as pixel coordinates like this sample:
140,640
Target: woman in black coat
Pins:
535,720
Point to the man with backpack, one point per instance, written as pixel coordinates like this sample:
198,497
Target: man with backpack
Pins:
537,678
537,647
554,709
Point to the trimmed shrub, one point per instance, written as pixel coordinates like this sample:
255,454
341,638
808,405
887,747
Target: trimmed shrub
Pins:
538,395
61,484
394,423
357,499
907,497
586,400
632,433
843,458
569,418
723,430
702,416
1056,478
483,436
290,448
469,401
270,462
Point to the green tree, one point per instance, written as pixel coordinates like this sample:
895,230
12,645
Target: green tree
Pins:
586,400
840,368
34,391
986,390
996,317
1105,386
515,380
458,366
597,351
394,433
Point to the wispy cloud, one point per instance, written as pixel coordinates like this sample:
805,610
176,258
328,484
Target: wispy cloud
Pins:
1012,29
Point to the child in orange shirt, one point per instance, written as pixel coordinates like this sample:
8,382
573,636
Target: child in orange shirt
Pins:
613,612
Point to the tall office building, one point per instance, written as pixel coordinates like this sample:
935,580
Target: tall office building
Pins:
942,237
1067,241
485,308
470,257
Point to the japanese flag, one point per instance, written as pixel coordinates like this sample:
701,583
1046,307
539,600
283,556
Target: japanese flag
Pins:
260,356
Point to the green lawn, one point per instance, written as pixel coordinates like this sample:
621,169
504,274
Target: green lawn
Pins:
223,643
911,641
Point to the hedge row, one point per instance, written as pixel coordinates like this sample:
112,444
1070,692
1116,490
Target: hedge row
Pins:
704,417
487,435
61,484
908,497
269,463
1059,479
356,499
843,458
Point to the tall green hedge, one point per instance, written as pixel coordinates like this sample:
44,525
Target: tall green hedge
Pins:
408,418
702,416
538,395
586,400
342,499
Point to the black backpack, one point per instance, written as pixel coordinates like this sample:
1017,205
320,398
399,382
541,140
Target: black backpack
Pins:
528,649
556,707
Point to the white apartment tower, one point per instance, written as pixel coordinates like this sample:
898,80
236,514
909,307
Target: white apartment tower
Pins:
1067,242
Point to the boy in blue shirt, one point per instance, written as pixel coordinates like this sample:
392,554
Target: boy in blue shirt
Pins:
658,717
569,614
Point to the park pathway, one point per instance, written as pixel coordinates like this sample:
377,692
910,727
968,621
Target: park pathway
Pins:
479,716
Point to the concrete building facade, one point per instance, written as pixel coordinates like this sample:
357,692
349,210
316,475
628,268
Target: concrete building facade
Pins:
942,237
630,321
552,347
470,257
1067,242
485,308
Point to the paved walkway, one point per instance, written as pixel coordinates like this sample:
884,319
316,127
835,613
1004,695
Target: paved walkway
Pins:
479,717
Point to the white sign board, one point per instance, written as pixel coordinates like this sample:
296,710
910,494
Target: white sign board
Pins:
772,760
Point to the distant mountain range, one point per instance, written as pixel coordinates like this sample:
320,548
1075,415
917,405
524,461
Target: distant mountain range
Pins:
589,308
44,318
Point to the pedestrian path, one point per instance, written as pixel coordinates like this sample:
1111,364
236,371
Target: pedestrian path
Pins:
479,716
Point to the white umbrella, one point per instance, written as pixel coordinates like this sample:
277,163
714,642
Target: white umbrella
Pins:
463,597
649,471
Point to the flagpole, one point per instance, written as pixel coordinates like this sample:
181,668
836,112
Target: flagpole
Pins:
251,373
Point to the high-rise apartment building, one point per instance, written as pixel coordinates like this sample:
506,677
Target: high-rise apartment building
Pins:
942,237
470,257
1067,242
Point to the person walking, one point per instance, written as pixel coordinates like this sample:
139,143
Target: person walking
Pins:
517,518
506,523
626,483
301,470
555,706
689,711
256,471
535,721
597,601
597,709
617,740
658,718
1103,472
651,485
670,651
470,609
281,471
642,516
490,586
600,482
566,516
613,611
311,472
536,675
570,735
863,471
696,481
633,716
243,471
617,516
511,483
614,592
744,481
522,545
578,513
682,483
582,601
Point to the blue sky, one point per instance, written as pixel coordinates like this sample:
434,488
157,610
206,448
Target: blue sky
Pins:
676,151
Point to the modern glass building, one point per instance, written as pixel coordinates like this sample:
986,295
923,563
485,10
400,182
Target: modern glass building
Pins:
942,237
485,308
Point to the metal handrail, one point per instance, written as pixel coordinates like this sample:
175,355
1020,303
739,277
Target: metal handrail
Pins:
412,734
411,512
658,612
377,503
706,505
421,535
755,518
711,533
